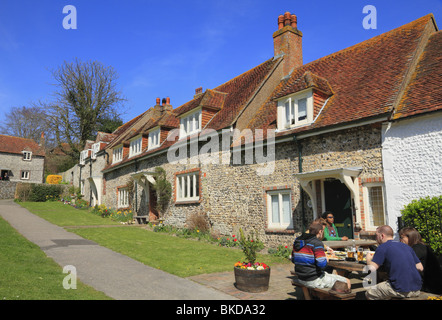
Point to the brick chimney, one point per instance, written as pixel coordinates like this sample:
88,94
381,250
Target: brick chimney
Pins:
287,41
198,92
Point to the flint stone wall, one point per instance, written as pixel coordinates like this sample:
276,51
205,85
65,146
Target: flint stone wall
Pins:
234,196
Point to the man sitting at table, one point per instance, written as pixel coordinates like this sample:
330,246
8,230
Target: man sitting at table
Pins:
330,231
310,260
401,264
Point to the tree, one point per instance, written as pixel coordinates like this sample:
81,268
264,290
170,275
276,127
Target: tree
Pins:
25,122
86,94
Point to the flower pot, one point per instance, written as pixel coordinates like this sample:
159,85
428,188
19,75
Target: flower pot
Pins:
252,280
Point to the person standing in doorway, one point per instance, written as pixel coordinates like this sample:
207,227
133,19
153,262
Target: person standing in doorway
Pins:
330,231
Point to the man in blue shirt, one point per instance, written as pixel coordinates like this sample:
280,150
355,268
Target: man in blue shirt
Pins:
401,264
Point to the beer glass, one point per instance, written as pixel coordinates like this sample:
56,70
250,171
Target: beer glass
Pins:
360,254
350,253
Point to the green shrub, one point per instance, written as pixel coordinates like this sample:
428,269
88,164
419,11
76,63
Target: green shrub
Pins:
250,246
281,251
425,215
42,193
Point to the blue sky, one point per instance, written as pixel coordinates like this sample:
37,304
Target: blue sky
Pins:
169,48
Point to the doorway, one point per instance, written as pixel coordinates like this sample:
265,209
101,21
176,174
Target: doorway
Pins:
153,211
338,200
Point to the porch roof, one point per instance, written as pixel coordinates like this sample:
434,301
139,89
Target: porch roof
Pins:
328,173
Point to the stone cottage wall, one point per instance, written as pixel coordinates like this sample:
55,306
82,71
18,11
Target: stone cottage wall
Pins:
7,189
234,195
16,164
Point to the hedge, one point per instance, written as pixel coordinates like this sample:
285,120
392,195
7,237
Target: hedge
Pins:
41,192
425,215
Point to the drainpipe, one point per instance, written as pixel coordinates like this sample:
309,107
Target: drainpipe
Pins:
136,188
90,175
107,156
301,192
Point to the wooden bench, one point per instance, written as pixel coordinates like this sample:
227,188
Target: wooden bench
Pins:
322,294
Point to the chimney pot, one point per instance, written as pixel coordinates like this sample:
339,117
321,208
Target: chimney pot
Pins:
287,19
280,22
158,101
294,21
167,100
163,101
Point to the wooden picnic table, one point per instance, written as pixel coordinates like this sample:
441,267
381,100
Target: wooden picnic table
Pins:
343,244
343,267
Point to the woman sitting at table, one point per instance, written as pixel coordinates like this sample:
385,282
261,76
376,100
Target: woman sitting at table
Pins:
330,232
432,275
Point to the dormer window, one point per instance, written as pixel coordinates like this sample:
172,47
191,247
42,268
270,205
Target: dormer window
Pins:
117,154
154,139
190,123
27,155
295,110
83,155
135,146
95,150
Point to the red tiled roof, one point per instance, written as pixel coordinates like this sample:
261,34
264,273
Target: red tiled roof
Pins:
239,91
424,92
210,99
306,81
230,98
366,78
16,145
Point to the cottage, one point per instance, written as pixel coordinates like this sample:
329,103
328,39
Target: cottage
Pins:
318,130
412,139
21,160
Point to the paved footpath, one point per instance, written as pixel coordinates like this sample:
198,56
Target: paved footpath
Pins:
118,276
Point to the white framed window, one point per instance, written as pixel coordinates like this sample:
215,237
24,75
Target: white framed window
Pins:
188,186
83,155
95,150
374,204
25,175
117,154
123,197
279,209
154,139
135,146
295,110
190,123
27,155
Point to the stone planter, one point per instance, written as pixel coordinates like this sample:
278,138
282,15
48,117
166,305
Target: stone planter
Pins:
252,280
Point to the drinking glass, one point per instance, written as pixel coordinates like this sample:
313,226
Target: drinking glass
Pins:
360,254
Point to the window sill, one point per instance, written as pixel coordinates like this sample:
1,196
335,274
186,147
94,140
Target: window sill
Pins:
280,230
196,201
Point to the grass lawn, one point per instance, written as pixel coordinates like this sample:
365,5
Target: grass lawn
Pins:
65,215
179,256
26,273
